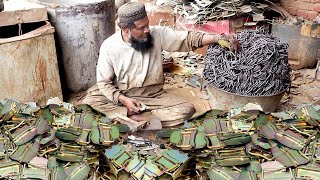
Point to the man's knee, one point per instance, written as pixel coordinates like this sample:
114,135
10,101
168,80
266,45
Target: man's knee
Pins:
182,112
188,110
175,115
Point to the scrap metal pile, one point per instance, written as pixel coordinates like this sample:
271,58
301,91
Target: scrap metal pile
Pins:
253,145
211,10
65,142
259,68
55,142
61,141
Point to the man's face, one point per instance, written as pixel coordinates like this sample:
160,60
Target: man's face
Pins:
139,35
141,31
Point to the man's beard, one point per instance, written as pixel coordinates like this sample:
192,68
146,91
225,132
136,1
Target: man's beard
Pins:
141,45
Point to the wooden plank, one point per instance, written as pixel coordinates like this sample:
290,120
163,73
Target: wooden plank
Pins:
21,11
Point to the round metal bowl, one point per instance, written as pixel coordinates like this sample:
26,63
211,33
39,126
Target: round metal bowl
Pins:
223,100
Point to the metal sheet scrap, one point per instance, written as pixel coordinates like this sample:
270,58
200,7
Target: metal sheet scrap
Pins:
62,141
210,10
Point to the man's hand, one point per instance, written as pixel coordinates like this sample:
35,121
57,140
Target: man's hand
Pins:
131,104
229,41
224,40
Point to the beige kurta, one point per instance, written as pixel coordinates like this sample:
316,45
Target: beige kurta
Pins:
123,70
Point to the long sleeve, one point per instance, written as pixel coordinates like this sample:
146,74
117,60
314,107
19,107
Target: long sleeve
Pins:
181,41
105,77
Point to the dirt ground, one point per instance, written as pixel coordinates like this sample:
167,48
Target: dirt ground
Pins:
304,90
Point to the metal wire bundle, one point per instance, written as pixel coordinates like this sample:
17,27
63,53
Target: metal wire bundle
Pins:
259,68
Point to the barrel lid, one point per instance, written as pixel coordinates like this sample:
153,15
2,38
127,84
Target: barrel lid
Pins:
21,11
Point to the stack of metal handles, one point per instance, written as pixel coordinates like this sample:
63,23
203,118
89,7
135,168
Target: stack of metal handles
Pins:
259,68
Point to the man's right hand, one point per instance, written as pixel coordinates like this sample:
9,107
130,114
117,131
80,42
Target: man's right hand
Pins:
131,104
228,41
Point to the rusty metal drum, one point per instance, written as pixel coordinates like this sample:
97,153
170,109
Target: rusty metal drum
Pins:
81,27
304,43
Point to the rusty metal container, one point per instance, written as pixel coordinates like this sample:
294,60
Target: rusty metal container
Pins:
304,43
81,27
29,68
225,100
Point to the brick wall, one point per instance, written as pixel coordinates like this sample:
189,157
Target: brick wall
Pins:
304,8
